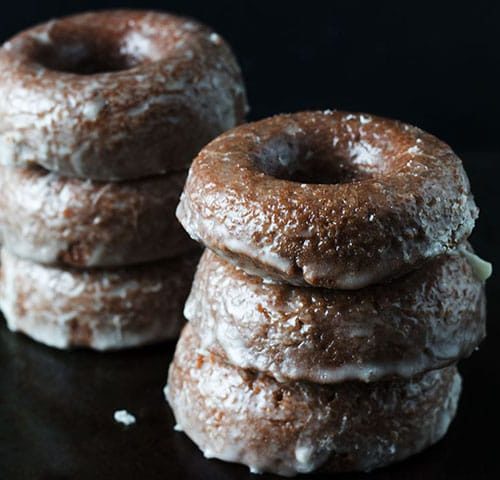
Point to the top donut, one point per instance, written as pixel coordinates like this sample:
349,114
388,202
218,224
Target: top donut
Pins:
115,95
327,199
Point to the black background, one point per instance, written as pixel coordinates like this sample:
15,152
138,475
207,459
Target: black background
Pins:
435,65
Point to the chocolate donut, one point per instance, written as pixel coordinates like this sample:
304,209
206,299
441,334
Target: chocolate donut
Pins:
241,416
428,319
115,95
327,199
59,220
100,309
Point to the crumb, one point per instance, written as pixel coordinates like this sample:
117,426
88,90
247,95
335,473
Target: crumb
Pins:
122,416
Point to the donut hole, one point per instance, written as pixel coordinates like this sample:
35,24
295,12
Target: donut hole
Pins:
319,162
87,52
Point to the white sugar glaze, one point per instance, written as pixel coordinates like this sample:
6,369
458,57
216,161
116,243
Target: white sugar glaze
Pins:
291,428
58,220
426,320
160,87
395,198
482,269
100,309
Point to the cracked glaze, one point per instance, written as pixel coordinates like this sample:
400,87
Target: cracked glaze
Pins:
100,309
329,199
115,95
425,320
239,416
60,220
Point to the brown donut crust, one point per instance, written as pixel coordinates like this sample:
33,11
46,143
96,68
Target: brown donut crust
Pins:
401,197
59,220
116,95
250,418
425,320
99,309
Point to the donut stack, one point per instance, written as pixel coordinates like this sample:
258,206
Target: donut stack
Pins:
336,295
100,116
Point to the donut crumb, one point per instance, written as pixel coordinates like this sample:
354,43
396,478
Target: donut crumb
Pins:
124,417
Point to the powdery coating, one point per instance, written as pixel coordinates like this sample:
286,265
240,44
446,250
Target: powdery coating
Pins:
59,220
390,196
239,416
115,95
425,320
100,309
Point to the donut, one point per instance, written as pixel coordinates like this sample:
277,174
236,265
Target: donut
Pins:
99,309
115,95
327,199
82,223
287,428
428,319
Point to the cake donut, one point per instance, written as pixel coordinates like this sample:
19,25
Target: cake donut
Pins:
287,428
115,95
327,199
82,223
426,320
101,309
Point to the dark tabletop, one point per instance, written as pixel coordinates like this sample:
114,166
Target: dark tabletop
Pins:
56,407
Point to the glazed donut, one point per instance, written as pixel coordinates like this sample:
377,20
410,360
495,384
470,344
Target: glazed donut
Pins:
59,220
287,428
428,319
115,95
100,309
327,199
